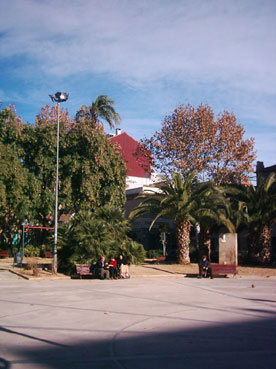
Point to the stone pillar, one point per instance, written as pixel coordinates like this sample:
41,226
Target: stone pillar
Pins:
228,248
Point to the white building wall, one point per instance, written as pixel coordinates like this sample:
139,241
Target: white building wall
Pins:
138,182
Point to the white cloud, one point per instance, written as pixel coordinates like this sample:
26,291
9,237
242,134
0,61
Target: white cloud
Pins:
142,42
217,51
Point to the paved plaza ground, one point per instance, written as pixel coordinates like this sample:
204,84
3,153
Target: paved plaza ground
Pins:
158,322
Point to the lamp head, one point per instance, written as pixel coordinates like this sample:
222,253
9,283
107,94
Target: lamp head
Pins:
59,97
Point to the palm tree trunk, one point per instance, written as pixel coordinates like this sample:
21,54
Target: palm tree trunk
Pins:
205,242
183,242
265,244
259,247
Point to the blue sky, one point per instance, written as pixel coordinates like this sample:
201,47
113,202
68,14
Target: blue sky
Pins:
147,55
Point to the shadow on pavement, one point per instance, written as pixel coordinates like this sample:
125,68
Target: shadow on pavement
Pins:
247,344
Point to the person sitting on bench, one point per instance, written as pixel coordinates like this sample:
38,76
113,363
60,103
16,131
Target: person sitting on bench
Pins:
205,268
103,268
113,268
122,267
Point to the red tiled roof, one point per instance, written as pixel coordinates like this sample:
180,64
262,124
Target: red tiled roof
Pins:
127,146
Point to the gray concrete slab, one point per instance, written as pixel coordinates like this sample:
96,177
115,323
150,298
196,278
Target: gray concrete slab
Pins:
138,323
5,275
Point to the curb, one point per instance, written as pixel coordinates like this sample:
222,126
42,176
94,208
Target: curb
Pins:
30,278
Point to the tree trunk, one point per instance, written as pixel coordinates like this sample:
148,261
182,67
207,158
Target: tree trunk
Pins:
265,245
205,243
183,242
259,247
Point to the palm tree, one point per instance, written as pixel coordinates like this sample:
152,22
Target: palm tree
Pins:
115,219
258,207
186,201
84,238
214,209
101,108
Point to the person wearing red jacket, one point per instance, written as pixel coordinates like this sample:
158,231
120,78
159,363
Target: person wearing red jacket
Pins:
113,268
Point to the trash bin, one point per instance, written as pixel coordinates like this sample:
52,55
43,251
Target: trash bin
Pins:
18,258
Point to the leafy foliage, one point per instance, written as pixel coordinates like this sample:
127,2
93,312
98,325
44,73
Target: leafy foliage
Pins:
89,235
133,251
18,187
187,202
31,251
94,168
255,210
192,140
101,108
91,171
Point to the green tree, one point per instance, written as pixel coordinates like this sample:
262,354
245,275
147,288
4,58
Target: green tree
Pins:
18,193
214,210
84,239
256,210
96,170
89,235
91,172
10,129
115,218
185,201
38,144
18,187
101,108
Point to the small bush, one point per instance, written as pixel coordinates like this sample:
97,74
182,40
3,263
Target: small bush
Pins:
31,251
133,251
153,254
88,236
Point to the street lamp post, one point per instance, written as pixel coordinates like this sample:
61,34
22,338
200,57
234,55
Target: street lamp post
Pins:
58,98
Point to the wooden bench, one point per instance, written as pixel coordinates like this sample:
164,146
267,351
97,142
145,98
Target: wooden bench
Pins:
48,254
160,259
224,269
83,269
4,253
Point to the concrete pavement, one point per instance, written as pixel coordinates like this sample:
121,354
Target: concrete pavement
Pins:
138,323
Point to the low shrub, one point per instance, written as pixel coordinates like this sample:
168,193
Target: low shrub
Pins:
31,251
133,251
153,253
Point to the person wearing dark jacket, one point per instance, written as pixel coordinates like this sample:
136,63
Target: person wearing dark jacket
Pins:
103,269
205,268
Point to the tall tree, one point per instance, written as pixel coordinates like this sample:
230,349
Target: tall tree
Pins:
38,142
257,206
18,193
185,201
95,169
101,108
18,187
91,172
191,139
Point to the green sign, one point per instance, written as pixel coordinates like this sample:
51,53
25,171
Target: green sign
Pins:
15,239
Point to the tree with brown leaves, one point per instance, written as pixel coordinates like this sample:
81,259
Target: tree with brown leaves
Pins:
194,140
